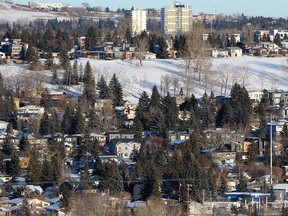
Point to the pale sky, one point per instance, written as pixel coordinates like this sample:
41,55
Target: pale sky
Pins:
276,8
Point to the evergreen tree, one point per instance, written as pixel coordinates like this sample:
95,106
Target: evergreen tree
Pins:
75,74
85,175
54,123
67,77
224,115
150,183
25,209
56,164
94,121
242,184
116,93
241,106
24,145
49,59
47,172
170,110
102,88
13,168
162,52
277,40
253,152
272,197
67,120
44,124
66,198
142,118
89,91
54,79
223,186
46,42
34,167
90,38
78,122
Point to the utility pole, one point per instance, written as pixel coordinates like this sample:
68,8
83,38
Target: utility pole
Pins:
188,198
271,149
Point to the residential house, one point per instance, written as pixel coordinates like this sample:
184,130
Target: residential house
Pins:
30,109
236,37
56,95
119,135
284,44
3,126
260,144
37,140
13,139
124,148
255,96
278,97
101,138
24,162
260,51
129,112
13,47
220,157
102,103
149,55
218,53
281,191
182,136
234,51
272,48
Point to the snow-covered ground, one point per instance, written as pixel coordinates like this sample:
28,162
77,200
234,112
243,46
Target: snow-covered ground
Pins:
9,13
253,72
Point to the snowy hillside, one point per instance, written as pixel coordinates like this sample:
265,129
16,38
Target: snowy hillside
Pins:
15,13
255,73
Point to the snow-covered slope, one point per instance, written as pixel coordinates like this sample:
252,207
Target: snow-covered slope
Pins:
14,13
252,72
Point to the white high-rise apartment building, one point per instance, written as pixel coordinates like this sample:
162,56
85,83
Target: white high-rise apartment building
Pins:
177,19
138,22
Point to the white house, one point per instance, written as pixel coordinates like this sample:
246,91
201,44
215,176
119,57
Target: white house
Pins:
255,96
127,149
235,36
3,125
234,51
31,109
271,47
284,44
149,55
218,53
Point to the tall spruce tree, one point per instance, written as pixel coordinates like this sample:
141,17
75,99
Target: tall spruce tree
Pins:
75,74
34,167
170,110
116,92
78,122
90,38
89,91
67,119
102,88
13,167
150,181
44,124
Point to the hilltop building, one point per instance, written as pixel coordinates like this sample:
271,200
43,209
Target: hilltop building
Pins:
138,21
177,19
